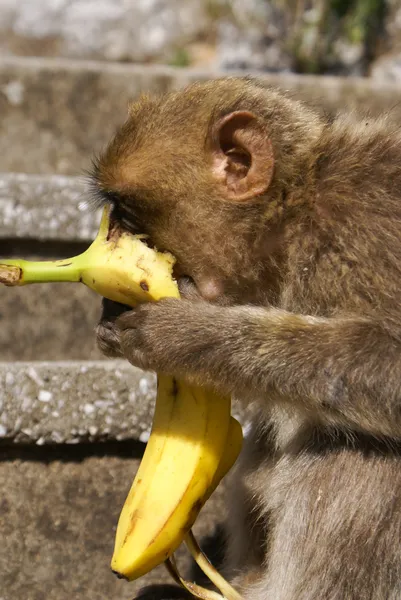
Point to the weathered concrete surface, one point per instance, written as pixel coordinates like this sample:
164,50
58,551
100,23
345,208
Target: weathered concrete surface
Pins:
60,111
71,402
51,207
74,401
109,29
57,528
48,322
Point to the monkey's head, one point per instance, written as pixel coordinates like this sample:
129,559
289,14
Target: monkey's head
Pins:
208,173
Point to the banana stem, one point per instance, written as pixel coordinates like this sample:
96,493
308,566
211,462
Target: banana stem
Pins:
201,559
195,590
22,272
39,271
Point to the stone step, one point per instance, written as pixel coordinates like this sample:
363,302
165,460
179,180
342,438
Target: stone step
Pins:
46,208
55,112
71,402
59,510
76,402
48,322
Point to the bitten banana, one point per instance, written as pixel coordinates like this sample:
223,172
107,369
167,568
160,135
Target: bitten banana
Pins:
194,441
117,265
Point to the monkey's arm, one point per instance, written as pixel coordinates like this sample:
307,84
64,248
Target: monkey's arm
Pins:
348,369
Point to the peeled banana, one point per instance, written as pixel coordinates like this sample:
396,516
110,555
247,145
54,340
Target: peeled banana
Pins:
194,440
117,265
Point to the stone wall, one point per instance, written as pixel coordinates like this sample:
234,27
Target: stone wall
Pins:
308,36
61,111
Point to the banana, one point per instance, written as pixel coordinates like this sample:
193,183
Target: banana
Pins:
117,265
188,440
194,440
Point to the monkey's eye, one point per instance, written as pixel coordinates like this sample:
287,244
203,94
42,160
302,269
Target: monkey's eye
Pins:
126,219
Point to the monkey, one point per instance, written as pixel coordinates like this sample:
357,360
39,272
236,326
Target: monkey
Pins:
286,228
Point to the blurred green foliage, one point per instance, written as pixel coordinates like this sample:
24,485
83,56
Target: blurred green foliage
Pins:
318,36
337,25
180,58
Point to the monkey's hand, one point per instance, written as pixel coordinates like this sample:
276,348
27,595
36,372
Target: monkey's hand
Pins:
180,337
107,333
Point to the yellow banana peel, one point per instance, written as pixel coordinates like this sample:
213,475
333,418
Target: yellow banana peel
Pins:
117,265
194,440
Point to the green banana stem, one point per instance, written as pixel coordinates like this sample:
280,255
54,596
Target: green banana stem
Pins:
23,272
205,565
195,590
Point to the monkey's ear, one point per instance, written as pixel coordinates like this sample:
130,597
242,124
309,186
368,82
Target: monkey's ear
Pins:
242,156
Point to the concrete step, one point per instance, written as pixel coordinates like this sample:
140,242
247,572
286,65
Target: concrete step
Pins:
59,510
76,402
46,208
71,402
55,113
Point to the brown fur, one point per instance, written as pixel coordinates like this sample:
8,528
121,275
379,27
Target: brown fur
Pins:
306,322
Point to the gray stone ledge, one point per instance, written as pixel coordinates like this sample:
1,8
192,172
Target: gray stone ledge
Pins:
76,401
73,401
180,75
46,207
56,112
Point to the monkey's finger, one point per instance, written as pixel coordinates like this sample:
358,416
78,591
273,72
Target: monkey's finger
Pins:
108,339
132,319
132,353
145,315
